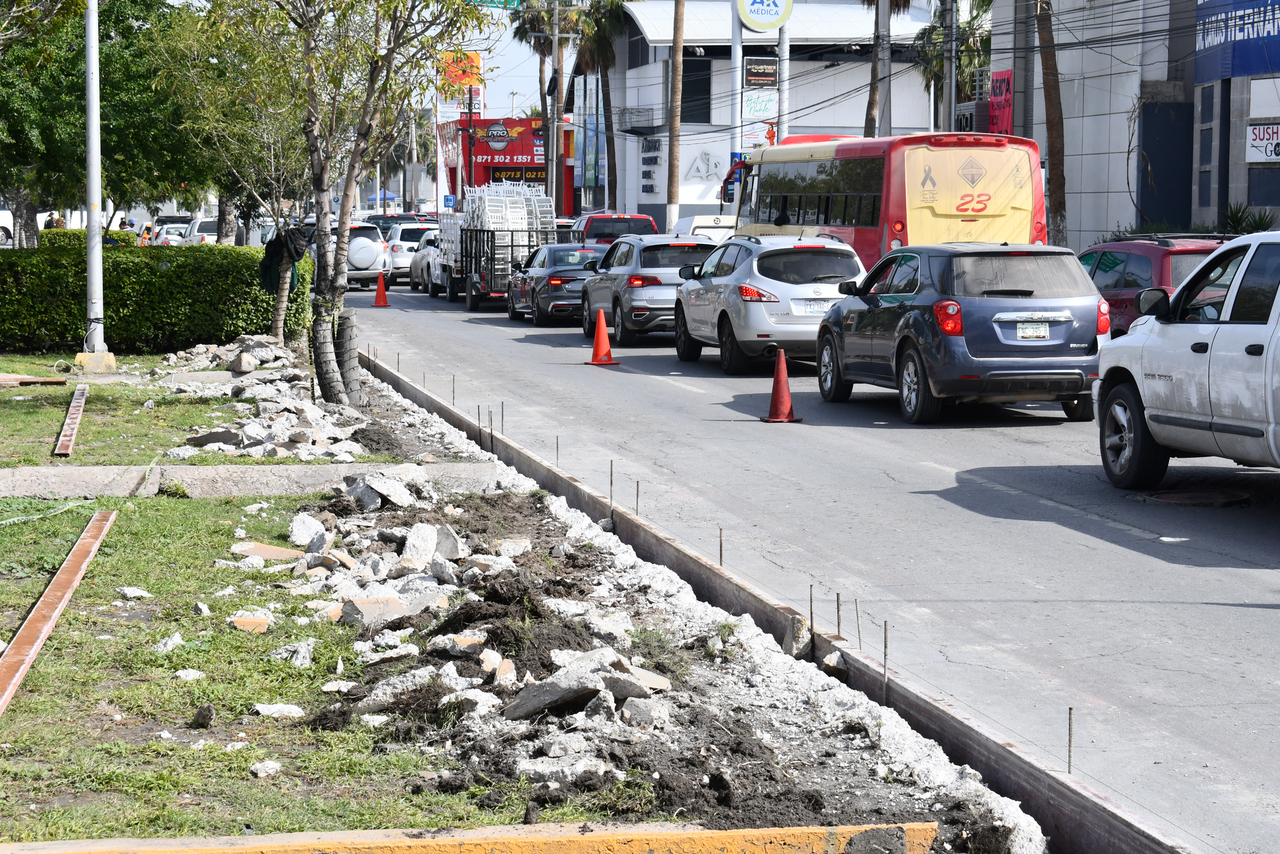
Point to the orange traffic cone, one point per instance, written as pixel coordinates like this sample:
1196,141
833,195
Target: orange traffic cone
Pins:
600,354
380,299
780,410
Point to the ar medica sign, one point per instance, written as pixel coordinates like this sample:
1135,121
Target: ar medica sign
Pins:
1236,38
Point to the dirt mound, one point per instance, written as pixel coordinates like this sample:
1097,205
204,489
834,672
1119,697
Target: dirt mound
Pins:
376,439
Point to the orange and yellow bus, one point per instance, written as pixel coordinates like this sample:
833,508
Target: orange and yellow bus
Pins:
879,194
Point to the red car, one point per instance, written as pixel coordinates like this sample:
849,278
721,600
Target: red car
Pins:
1122,268
606,228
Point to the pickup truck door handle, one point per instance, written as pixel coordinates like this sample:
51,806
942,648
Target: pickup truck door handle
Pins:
1253,350
1200,347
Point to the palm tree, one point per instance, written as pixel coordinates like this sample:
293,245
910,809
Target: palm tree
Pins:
528,21
973,50
603,22
896,7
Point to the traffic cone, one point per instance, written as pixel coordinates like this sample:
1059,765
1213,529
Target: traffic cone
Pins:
600,354
380,299
780,410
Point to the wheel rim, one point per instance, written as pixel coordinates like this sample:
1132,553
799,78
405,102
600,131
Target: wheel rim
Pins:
617,321
726,343
826,368
910,390
681,332
1117,437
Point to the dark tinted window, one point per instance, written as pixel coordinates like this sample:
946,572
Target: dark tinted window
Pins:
695,104
729,261
1206,104
709,265
907,277
1042,276
884,279
837,192
1206,147
412,235
626,253
574,257
1087,260
1258,287
1109,274
807,265
609,227
1137,273
673,255
1201,301
368,232
207,227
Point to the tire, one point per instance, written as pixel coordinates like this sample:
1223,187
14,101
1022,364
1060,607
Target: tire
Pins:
1131,456
688,348
622,336
1080,409
915,398
831,382
451,291
473,299
6,238
433,290
540,317
733,361
588,322
413,283
511,306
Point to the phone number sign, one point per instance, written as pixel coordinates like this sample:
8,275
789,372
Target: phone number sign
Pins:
1262,144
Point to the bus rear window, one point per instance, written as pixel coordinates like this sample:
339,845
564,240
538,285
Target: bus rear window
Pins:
1014,276
673,256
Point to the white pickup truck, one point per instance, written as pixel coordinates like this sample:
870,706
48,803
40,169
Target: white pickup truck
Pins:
1197,373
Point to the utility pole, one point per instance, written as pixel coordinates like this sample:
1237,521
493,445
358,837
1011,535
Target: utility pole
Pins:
411,196
884,70
553,144
784,81
736,82
94,340
949,65
677,100
471,134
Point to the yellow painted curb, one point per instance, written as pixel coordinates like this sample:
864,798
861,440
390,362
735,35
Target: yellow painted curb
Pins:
537,839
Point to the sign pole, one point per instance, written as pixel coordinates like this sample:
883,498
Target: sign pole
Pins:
784,80
884,69
95,357
735,74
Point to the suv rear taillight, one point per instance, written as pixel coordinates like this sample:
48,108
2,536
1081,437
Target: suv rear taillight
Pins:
950,320
750,294
1104,317
642,281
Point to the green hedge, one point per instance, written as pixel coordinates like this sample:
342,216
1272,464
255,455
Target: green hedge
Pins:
72,238
157,299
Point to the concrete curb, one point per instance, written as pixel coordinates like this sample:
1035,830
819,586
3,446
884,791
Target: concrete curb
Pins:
535,839
222,481
1076,818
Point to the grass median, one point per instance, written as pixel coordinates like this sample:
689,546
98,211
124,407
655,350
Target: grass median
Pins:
82,747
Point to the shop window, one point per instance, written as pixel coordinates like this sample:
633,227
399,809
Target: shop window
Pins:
1264,187
1206,146
1204,198
1206,104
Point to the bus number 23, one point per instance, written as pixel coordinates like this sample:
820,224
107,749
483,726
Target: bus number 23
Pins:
970,203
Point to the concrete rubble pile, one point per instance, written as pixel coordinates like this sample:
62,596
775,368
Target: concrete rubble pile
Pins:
243,355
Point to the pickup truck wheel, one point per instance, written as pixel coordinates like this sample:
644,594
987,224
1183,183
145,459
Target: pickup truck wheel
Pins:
473,299
1131,456
588,321
433,290
451,291
540,315
1080,409
915,397
733,361
622,336
688,348
831,382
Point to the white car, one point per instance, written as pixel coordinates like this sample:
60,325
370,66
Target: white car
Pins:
200,231
403,238
1197,373
426,270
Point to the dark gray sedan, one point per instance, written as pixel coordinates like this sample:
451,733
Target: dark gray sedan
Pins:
549,284
967,322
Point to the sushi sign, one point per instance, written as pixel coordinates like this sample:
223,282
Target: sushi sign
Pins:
1262,144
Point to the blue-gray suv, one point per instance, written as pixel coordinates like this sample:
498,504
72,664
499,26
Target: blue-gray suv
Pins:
967,322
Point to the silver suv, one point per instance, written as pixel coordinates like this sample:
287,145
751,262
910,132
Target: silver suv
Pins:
755,295
635,283
367,253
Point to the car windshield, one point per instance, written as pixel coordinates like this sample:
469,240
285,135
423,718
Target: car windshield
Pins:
1019,275
797,266
574,257
610,227
1184,264
674,255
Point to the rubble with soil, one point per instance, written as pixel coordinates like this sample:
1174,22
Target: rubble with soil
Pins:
519,639
243,355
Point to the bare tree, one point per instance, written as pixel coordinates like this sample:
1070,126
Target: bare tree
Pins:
1054,136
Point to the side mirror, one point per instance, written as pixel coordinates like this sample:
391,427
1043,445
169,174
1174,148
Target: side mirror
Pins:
688,271
849,287
1152,302
591,266
517,267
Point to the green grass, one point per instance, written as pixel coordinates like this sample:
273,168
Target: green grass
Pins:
69,769
42,365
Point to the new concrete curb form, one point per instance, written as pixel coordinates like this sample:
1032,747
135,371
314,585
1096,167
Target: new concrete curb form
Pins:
536,839
1076,818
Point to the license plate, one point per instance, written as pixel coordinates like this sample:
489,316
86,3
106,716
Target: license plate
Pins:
1032,331
815,306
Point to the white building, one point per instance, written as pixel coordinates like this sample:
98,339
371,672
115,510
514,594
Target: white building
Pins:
830,70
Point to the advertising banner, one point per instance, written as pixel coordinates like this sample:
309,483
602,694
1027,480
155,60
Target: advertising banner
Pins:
760,72
758,105
1262,144
764,15
1236,38
1000,115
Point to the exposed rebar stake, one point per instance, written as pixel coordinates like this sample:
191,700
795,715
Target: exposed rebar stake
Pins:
557,452
838,632
491,429
637,498
886,663
503,421
453,401
610,489
722,547
1071,736
857,615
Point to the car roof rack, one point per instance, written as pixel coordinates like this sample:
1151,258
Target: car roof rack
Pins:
1167,238
837,238
750,237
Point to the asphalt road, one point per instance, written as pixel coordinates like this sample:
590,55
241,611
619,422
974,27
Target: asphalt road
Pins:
1015,579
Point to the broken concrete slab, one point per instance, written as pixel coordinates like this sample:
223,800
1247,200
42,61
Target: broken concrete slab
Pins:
646,714
562,688
168,645
385,692
264,551
449,545
304,529
133,593
278,710
406,650
475,702
565,771
459,645
371,612
298,654
419,546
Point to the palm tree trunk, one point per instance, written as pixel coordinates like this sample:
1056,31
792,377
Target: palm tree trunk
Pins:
608,136
1057,201
677,104
873,91
542,87
226,220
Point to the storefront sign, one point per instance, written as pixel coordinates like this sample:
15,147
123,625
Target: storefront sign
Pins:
1236,38
760,72
764,15
1000,115
758,105
1262,144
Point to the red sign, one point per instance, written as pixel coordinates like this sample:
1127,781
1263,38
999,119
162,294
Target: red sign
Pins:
1000,118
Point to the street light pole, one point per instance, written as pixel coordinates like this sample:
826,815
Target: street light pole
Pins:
884,68
94,340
